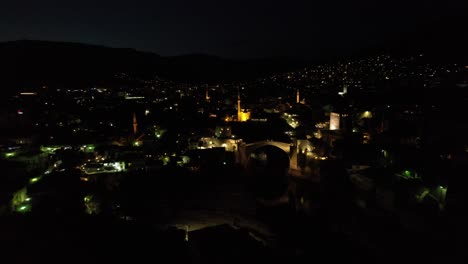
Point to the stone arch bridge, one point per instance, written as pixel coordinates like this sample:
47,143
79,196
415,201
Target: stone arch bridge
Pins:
246,150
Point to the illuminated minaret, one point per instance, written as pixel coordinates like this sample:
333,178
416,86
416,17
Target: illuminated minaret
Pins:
298,98
135,124
207,96
239,114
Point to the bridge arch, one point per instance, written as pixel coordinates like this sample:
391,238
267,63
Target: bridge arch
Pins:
246,150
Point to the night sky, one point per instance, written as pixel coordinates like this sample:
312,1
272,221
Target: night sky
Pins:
236,29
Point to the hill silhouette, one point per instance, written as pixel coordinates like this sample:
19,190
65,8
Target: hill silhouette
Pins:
34,63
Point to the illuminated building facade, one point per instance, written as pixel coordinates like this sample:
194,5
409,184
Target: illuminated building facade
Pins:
103,167
243,115
366,114
334,121
228,144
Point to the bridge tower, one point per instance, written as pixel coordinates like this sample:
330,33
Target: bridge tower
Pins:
207,96
293,155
